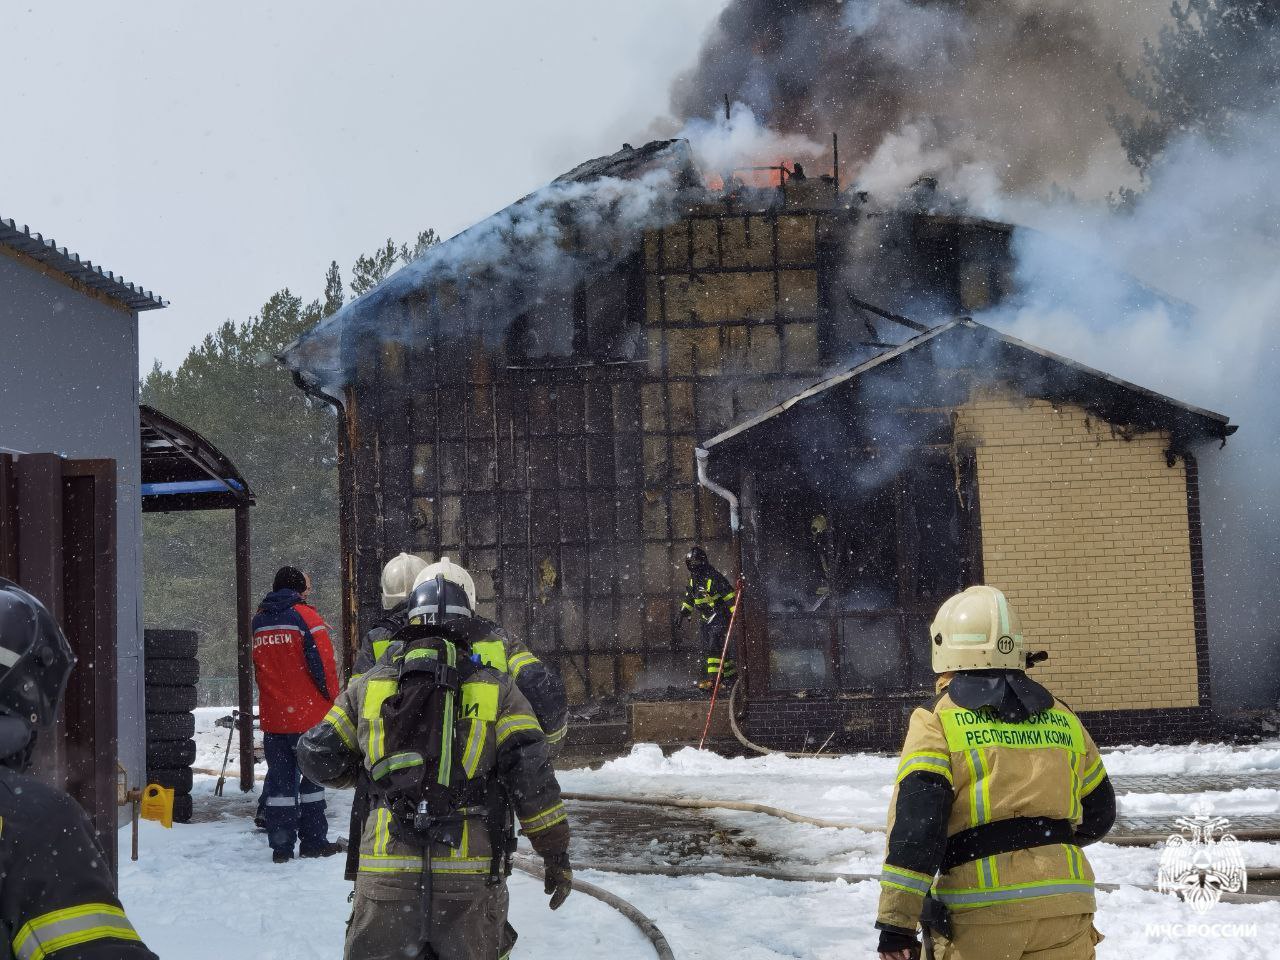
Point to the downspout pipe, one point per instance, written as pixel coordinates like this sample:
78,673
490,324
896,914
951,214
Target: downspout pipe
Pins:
706,481
349,640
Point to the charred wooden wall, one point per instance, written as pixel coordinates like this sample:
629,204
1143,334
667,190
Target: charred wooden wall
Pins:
567,484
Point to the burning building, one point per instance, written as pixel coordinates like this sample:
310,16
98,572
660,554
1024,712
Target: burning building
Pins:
529,396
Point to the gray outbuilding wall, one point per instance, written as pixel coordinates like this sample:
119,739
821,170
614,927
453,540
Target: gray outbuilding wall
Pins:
69,385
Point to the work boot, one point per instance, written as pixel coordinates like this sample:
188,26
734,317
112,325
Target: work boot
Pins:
328,850
281,856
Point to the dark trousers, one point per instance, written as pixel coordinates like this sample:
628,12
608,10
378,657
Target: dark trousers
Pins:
292,804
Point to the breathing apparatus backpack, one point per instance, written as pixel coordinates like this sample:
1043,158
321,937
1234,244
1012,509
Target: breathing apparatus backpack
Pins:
416,774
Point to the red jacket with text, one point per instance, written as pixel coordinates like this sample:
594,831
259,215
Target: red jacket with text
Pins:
293,660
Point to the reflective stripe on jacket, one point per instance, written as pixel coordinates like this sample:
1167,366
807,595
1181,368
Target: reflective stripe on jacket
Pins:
540,684
708,595
496,735
963,768
57,895
293,664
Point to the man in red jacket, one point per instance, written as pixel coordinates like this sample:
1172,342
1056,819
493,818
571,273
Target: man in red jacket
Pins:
297,684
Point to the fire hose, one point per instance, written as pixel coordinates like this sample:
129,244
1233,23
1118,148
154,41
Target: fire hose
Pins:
747,806
650,929
819,876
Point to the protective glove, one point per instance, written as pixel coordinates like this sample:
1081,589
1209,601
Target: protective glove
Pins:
895,945
559,878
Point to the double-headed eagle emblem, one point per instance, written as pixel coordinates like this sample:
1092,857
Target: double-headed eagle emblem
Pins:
1200,868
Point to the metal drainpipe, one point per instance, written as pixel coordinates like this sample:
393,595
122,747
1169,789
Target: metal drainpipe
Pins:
735,523
349,640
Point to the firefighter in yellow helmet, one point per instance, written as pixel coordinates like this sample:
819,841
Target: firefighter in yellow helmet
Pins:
998,788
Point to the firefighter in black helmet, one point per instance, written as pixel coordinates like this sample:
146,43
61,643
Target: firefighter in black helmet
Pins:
711,597
57,896
448,748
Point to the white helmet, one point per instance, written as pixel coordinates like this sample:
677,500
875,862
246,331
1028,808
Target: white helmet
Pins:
398,578
977,630
453,573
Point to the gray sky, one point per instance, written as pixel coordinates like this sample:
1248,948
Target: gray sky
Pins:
218,152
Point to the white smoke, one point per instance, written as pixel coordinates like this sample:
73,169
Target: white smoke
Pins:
721,145
1208,232
960,163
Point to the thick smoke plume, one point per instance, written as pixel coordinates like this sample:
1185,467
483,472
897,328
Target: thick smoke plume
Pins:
1004,104
1208,232
1016,88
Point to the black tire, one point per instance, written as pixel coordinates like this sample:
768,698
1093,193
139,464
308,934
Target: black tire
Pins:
170,643
182,808
172,671
178,779
170,726
170,699
171,753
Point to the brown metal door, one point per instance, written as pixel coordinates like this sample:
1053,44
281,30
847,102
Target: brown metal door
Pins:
58,541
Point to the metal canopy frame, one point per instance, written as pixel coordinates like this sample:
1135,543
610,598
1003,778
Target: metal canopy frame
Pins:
182,471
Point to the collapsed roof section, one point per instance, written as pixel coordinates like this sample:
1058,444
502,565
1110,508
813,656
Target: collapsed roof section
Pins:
478,282
936,368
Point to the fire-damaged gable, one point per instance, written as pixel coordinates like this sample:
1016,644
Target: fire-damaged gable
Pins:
526,397
967,456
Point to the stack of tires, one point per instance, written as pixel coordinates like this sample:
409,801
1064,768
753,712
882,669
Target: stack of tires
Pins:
171,672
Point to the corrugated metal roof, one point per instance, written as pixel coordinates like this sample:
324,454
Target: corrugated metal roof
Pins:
90,274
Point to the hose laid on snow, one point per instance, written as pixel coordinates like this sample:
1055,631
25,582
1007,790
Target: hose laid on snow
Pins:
743,805
1130,840
742,737
819,876
646,925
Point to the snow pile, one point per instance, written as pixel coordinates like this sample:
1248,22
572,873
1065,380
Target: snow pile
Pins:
1195,758
851,789
1251,801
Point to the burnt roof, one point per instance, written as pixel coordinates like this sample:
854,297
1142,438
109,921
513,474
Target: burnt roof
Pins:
631,163
319,355
1040,372
69,264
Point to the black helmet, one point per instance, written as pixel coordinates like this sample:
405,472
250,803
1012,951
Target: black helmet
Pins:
438,600
35,661
696,559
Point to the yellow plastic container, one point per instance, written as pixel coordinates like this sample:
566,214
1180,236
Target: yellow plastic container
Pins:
157,804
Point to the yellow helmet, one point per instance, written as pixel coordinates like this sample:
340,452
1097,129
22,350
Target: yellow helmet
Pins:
977,630
398,578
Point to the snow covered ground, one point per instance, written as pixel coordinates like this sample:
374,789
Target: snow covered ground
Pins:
209,890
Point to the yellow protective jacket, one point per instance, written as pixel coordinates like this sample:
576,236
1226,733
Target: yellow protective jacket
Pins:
495,735
962,768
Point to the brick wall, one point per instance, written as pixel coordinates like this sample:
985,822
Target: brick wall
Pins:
1087,532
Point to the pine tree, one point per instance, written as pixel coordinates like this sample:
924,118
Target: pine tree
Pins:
231,389
371,269
1217,61
332,290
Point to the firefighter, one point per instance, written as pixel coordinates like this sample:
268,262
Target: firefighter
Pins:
998,788
398,577
540,684
711,597
448,748
57,896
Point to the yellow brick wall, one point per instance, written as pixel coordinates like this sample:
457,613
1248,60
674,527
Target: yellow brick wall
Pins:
1087,533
